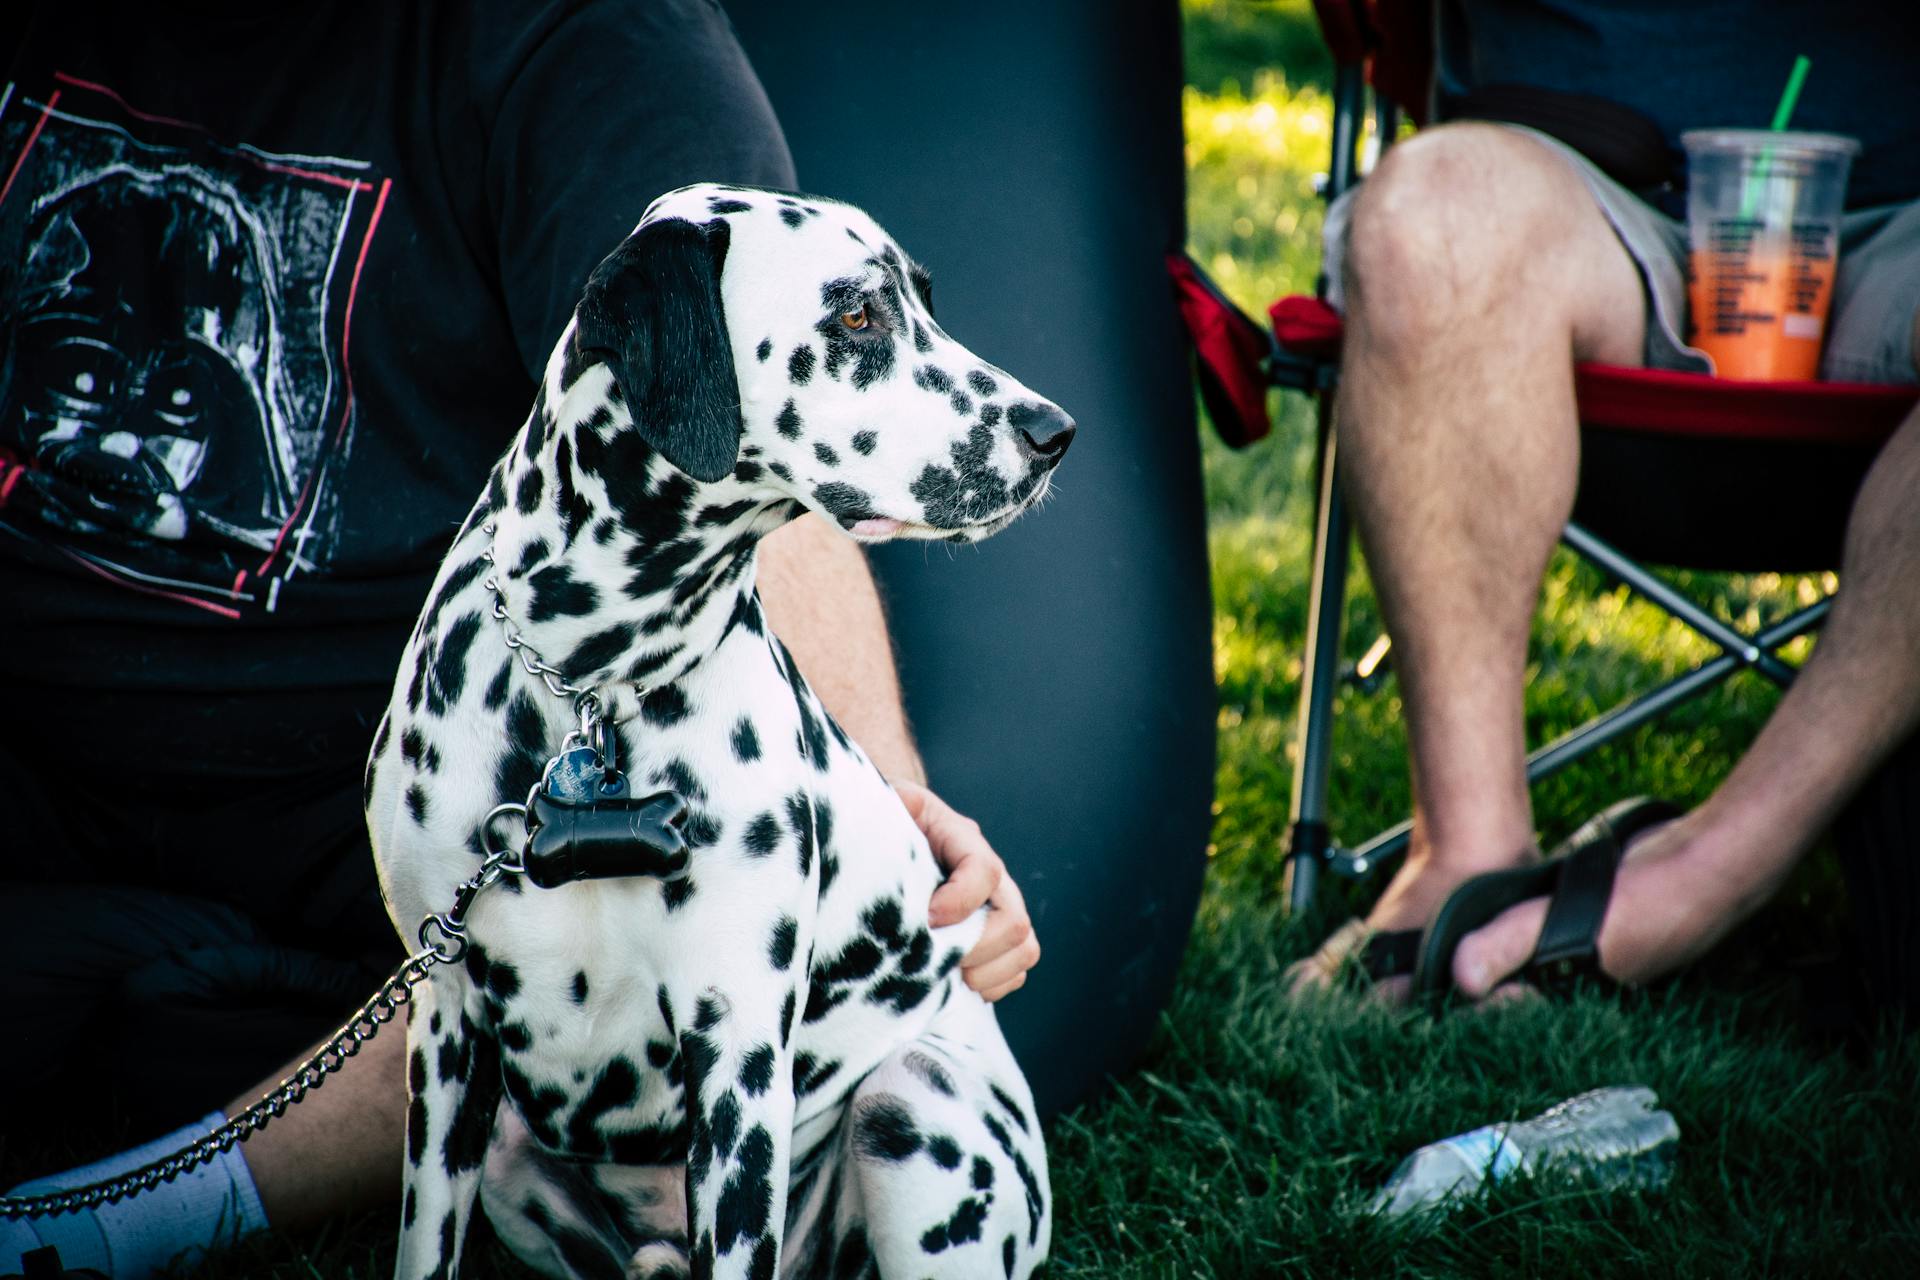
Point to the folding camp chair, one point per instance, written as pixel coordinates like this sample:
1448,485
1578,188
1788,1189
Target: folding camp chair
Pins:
1793,453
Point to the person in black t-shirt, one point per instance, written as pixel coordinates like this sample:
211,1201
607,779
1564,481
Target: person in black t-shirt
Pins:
277,288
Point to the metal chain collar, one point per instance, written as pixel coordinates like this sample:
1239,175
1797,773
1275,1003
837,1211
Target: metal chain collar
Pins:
443,940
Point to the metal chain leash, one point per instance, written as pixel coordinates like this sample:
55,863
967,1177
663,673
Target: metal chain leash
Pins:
443,940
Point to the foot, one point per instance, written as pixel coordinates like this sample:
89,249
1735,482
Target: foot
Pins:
1413,895
1670,904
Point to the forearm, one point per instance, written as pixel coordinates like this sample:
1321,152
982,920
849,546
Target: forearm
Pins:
821,601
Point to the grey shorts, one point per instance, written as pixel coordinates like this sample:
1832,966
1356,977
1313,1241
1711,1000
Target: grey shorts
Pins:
1876,292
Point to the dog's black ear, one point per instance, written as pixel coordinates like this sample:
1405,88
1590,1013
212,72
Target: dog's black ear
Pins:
652,312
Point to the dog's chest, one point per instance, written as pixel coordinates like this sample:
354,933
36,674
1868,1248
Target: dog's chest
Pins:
800,925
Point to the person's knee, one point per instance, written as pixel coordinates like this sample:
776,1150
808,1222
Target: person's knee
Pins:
1444,223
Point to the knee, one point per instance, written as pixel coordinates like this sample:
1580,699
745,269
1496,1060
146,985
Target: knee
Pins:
1442,224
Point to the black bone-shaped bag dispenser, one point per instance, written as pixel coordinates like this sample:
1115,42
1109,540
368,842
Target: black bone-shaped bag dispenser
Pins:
582,824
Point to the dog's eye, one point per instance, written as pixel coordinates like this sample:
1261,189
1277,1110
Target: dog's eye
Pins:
855,319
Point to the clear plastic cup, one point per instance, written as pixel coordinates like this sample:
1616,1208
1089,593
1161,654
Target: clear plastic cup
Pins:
1763,223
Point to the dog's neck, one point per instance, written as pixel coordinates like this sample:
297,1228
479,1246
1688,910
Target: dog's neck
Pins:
617,568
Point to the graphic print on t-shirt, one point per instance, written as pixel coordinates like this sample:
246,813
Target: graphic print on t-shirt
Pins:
178,317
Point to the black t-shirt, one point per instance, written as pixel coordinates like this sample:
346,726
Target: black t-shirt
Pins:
1693,64
277,283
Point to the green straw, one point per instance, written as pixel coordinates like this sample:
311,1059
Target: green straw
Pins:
1788,99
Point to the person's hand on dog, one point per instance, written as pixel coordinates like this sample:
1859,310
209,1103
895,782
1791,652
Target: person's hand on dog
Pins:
998,963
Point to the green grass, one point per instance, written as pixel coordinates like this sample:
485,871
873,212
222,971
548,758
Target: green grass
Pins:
1246,1141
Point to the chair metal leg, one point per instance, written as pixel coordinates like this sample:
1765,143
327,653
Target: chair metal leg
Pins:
1309,839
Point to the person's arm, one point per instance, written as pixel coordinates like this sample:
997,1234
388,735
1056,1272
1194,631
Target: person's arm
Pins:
820,600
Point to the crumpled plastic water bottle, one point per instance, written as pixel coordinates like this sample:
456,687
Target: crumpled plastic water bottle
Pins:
1615,1136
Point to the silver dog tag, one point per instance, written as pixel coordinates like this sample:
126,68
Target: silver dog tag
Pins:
578,777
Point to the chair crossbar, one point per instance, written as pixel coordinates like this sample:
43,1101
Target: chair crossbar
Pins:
1739,651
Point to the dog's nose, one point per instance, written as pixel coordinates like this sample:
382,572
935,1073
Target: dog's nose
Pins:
1043,430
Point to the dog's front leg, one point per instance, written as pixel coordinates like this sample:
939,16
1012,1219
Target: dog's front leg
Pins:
739,1099
453,1090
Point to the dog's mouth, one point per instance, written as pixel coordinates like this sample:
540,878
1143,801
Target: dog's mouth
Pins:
877,528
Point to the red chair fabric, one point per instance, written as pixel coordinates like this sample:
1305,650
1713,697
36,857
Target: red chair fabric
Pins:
1662,402
1231,350
1394,38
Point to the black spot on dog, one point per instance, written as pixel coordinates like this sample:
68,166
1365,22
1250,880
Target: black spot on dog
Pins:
496,696
786,1019
884,1130
449,1245
981,383
413,746
900,991
786,932
747,1198
863,442
674,893
558,594
763,835
944,1151
919,951
962,403
1006,1256
764,350
792,217
962,1228
516,1036
537,1106
800,366
598,650
788,423
782,470
800,818
707,1013
931,1072
466,1144
932,378
824,452
417,804
519,769
416,1106
968,492
1036,1204
882,920
764,1250
982,1173
456,582
726,513
725,1125
527,497
531,555
449,676
408,1209
989,414
603,531
746,472
814,1076
1012,1107
746,743
756,1070
845,502
922,340
665,706
728,206
580,986
617,1085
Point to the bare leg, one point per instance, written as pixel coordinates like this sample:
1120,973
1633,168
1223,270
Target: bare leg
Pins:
1684,885
1479,270
821,602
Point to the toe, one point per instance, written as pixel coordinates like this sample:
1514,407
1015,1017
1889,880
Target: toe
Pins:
1498,949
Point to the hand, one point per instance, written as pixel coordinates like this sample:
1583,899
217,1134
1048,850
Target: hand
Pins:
999,962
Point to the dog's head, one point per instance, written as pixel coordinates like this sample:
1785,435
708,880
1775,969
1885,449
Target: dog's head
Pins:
786,342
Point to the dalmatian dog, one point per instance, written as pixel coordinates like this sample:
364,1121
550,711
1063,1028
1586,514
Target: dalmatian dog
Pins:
769,1064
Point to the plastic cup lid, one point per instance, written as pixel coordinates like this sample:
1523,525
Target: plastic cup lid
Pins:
1784,142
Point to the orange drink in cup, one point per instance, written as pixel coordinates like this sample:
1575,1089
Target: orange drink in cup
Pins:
1763,225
